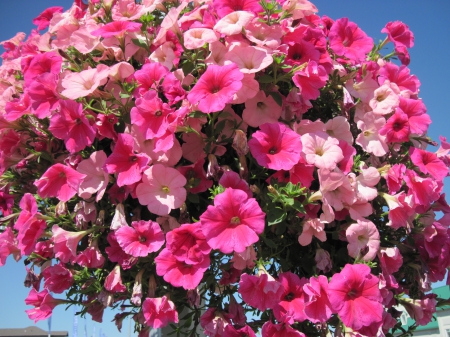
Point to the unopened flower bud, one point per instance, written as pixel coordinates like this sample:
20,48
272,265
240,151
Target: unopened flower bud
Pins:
137,289
151,286
193,297
61,208
240,143
213,170
323,260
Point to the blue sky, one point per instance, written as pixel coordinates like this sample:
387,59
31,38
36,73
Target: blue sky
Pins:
429,22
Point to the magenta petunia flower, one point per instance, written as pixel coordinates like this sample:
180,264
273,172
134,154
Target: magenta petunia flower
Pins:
143,238
275,146
180,274
318,307
428,162
59,181
125,161
233,223
43,304
42,21
355,296
158,312
216,87
347,39
117,29
260,291
397,128
399,34
291,305
57,278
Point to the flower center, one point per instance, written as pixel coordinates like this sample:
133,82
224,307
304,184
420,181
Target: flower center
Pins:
319,151
158,113
289,297
165,189
353,293
235,220
133,159
261,105
273,150
142,239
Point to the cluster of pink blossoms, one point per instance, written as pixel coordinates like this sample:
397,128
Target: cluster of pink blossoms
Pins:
251,162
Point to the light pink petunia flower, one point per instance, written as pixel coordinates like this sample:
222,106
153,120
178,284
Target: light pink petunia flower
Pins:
84,83
233,223
96,179
233,23
159,312
261,109
162,189
249,59
363,240
321,150
312,227
196,37
141,239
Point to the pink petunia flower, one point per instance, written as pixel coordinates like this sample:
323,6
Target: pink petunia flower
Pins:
347,39
261,109
290,307
96,179
159,312
216,87
397,128
91,257
363,240
270,329
66,243
59,181
224,7
276,146
57,278
117,29
71,125
260,291
42,21
370,139
196,37
312,227
125,162
354,294
8,246
43,304
233,23
180,274
249,59
188,244
141,239
399,34
233,223
310,80
162,189
84,83
428,162
317,306
113,282
321,150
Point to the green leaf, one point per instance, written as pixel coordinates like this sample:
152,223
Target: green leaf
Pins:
269,242
265,79
275,216
140,43
187,68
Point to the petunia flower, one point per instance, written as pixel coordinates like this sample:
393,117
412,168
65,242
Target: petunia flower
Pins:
363,240
141,239
162,189
249,59
260,291
159,312
261,109
355,295
233,23
216,87
399,34
321,150
43,303
113,282
117,29
57,278
233,223
96,179
275,146
290,307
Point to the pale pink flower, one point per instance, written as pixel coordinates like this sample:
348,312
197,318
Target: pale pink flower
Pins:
364,88
127,10
339,128
363,240
384,100
216,88
84,83
66,243
245,259
164,55
141,239
196,37
233,223
321,150
369,138
299,8
96,179
336,189
159,312
261,109
217,53
263,35
312,227
249,89
364,184
275,146
233,23
59,181
162,189
249,59
120,71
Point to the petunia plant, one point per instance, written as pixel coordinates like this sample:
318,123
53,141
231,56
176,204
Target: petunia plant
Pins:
230,167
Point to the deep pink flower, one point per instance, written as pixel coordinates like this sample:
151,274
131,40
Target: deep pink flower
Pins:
141,239
66,243
310,80
423,190
159,312
116,253
196,177
401,77
224,7
113,282
233,180
59,181
125,161
29,232
290,307
347,39
421,310
428,162
44,96
394,177
71,125
318,307
216,87
399,34
188,244
270,329
276,146
418,119
180,274
246,331
151,115
57,278
260,291
150,76
233,223
117,29
43,304
42,21
162,189
397,128
49,62
355,296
